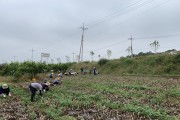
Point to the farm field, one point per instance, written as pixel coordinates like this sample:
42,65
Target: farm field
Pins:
101,97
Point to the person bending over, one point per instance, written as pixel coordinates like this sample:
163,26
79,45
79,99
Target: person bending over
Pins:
56,81
33,87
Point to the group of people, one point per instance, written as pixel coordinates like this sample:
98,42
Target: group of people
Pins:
33,87
84,71
42,87
52,74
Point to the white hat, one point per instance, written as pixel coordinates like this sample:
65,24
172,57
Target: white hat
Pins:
48,83
4,86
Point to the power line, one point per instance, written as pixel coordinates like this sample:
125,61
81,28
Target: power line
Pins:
109,45
164,36
141,12
106,18
132,9
111,16
113,44
115,14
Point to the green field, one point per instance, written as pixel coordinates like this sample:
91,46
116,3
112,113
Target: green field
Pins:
101,97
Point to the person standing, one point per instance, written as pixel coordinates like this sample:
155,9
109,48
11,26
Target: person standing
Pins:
81,70
85,71
94,70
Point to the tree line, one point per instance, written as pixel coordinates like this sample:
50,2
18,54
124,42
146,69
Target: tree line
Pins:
31,69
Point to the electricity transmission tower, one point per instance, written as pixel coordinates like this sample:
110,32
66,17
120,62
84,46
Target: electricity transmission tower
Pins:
32,54
81,46
131,46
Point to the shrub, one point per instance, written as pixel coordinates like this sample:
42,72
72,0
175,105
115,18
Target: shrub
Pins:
102,61
128,61
177,58
17,75
86,62
170,68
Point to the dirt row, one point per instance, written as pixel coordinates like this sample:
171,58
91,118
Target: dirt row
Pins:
12,108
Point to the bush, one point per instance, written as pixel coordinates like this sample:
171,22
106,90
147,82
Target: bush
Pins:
17,75
102,61
177,58
128,61
86,62
170,68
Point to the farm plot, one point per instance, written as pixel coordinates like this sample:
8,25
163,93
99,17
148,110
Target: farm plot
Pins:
103,97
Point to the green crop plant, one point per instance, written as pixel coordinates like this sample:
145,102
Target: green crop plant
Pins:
158,99
32,115
174,93
113,105
53,113
145,110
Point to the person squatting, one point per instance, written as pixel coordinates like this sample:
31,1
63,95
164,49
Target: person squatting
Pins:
5,90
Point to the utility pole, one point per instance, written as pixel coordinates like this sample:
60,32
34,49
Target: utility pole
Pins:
131,46
32,54
73,56
81,46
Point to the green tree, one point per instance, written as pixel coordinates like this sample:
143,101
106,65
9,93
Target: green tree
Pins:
155,45
67,59
129,50
92,54
109,53
30,68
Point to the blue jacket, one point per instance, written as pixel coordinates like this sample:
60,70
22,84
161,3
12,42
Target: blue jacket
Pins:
7,90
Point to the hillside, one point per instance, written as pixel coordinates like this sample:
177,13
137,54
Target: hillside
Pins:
156,64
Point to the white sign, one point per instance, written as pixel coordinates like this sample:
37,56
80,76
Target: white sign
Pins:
45,55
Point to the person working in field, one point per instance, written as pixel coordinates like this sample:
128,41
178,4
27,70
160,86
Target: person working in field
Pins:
60,74
57,81
95,71
5,90
33,87
45,86
51,75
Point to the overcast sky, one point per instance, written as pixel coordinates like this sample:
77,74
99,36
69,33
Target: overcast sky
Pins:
53,26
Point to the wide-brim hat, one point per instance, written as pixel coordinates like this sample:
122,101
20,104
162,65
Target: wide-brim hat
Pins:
4,86
48,83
